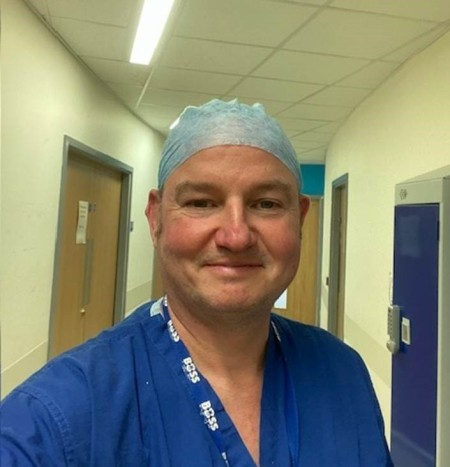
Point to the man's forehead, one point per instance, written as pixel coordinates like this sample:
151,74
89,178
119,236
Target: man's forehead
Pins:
267,185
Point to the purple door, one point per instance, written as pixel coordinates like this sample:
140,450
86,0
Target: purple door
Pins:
414,367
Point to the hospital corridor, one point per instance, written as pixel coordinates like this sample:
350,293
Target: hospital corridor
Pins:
362,90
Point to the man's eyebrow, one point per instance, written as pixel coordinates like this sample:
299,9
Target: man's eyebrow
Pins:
190,186
274,185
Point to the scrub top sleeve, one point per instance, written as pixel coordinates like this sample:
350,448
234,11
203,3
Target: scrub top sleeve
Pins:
31,435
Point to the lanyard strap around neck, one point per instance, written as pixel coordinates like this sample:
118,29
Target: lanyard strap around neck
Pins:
209,406
196,384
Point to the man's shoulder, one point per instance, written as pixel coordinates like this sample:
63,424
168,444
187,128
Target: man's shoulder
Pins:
135,321
306,331
317,355
96,361
90,387
111,338
314,342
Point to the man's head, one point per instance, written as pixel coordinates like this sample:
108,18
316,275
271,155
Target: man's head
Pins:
226,220
218,123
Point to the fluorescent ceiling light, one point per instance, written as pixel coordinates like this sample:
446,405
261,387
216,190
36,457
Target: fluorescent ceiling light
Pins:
151,25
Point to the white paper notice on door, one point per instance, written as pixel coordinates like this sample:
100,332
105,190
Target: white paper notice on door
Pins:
281,303
83,210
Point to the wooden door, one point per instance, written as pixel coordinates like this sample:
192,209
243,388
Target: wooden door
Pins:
86,281
302,292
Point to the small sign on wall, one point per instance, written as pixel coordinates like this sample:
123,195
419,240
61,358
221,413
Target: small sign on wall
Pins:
281,302
83,210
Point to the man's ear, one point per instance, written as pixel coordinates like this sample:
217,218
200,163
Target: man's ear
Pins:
304,203
152,212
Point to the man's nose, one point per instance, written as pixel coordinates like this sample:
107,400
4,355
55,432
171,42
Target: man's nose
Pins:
235,231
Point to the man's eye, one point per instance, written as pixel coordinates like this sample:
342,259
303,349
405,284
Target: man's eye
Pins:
267,204
200,203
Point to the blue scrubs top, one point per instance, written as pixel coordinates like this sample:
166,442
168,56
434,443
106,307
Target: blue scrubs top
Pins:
117,401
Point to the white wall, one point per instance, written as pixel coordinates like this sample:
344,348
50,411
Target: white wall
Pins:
400,131
47,94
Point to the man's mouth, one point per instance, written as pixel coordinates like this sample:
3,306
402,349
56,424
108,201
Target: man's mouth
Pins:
233,268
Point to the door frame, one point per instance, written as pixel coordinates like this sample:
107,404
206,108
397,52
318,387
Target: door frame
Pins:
319,258
335,252
71,145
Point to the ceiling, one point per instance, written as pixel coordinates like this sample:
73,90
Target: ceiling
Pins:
310,62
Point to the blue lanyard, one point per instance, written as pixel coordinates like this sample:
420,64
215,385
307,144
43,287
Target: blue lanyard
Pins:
196,385
291,416
209,407
290,404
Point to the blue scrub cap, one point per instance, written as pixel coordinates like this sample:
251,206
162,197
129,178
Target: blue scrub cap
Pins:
218,123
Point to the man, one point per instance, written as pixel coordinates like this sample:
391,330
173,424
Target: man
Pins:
207,376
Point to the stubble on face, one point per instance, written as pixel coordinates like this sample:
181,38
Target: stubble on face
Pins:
192,285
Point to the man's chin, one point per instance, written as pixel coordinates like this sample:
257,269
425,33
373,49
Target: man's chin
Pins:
235,304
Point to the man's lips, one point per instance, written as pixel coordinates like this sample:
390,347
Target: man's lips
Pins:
233,268
235,265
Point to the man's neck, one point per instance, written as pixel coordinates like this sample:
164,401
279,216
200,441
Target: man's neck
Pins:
220,349
231,358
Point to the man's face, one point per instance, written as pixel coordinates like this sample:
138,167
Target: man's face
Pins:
227,230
